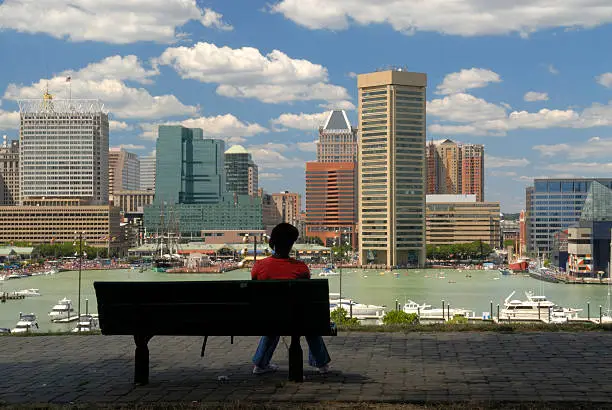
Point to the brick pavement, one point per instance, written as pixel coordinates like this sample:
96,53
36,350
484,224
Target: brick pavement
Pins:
390,367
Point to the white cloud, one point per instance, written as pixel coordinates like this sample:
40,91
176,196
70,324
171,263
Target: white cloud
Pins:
552,69
115,125
131,147
467,79
112,21
582,168
339,105
501,162
535,96
226,126
301,121
116,67
104,80
275,146
213,19
464,108
461,17
246,73
272,159
595,147
307,146
605,79
270,175
9,120
352,74
478,117
503,173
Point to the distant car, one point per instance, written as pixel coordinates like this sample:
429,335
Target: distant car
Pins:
5,330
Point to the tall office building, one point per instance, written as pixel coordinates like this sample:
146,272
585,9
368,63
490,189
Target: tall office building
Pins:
189,168
63,150
556,204
455,169
337,139
331,201
240,171
9,172
123,171
288,205
392,167
147,173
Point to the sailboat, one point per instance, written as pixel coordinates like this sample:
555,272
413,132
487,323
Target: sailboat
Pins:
172,259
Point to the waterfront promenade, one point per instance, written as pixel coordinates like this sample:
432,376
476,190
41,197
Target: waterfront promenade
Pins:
485,367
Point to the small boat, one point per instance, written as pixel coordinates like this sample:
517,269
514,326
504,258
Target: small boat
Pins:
425,310
87,323
506,271
28,292
452,281
27,323
359,310
328,272
61,310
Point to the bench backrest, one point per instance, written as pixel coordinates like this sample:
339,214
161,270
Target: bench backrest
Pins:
214,308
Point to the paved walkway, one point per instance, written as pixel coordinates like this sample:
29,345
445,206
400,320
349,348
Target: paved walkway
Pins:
391,367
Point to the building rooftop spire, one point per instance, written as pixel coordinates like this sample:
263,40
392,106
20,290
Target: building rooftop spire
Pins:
337,120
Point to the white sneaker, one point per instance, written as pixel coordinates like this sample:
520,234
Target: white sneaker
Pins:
262,370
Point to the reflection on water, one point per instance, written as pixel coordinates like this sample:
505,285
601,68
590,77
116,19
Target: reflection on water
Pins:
366,286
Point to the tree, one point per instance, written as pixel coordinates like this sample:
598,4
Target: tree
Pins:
312,239
340,317
509,242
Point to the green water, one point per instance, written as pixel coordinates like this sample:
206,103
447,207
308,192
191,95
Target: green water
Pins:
364,286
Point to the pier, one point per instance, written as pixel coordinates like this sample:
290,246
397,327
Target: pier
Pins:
4,296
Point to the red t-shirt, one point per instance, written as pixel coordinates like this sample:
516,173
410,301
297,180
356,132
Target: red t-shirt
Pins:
279,268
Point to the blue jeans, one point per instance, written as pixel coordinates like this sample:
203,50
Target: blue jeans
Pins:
318,355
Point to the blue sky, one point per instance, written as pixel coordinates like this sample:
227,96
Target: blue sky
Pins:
534,84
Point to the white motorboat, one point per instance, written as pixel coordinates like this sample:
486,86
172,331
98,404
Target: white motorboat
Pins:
27,323
16,276
560,314
359,310
28,292
536,307
62,310
426,311
87,323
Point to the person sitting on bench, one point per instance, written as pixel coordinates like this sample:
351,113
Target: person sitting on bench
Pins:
281,266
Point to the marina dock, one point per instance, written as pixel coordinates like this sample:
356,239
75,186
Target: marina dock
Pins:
4,296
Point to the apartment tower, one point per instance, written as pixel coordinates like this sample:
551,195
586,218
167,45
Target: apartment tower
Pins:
391,160
9,172
147,173
337,139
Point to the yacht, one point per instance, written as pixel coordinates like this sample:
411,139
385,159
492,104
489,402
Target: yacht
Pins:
426,311
87,323
28,292
536,307
328,272
359,310
62,310
27,323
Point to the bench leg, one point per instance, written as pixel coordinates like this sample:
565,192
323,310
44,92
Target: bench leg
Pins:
141,361
296,360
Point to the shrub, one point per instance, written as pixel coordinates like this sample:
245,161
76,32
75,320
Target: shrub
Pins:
458,320
398,317
340,317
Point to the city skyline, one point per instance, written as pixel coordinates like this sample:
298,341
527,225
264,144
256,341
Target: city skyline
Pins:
537,95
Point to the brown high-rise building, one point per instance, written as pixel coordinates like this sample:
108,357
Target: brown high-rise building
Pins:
392,167
331,202
455,169
337,139
123,171
288,205
9,173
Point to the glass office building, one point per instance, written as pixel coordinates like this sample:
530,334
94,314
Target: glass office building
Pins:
189,168
556,204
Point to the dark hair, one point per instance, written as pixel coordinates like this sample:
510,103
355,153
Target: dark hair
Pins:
283,237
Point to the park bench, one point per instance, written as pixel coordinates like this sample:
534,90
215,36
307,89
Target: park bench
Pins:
215,308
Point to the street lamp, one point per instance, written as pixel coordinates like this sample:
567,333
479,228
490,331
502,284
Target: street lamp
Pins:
79,236
262,236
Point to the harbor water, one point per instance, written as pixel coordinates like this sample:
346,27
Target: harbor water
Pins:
472,290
